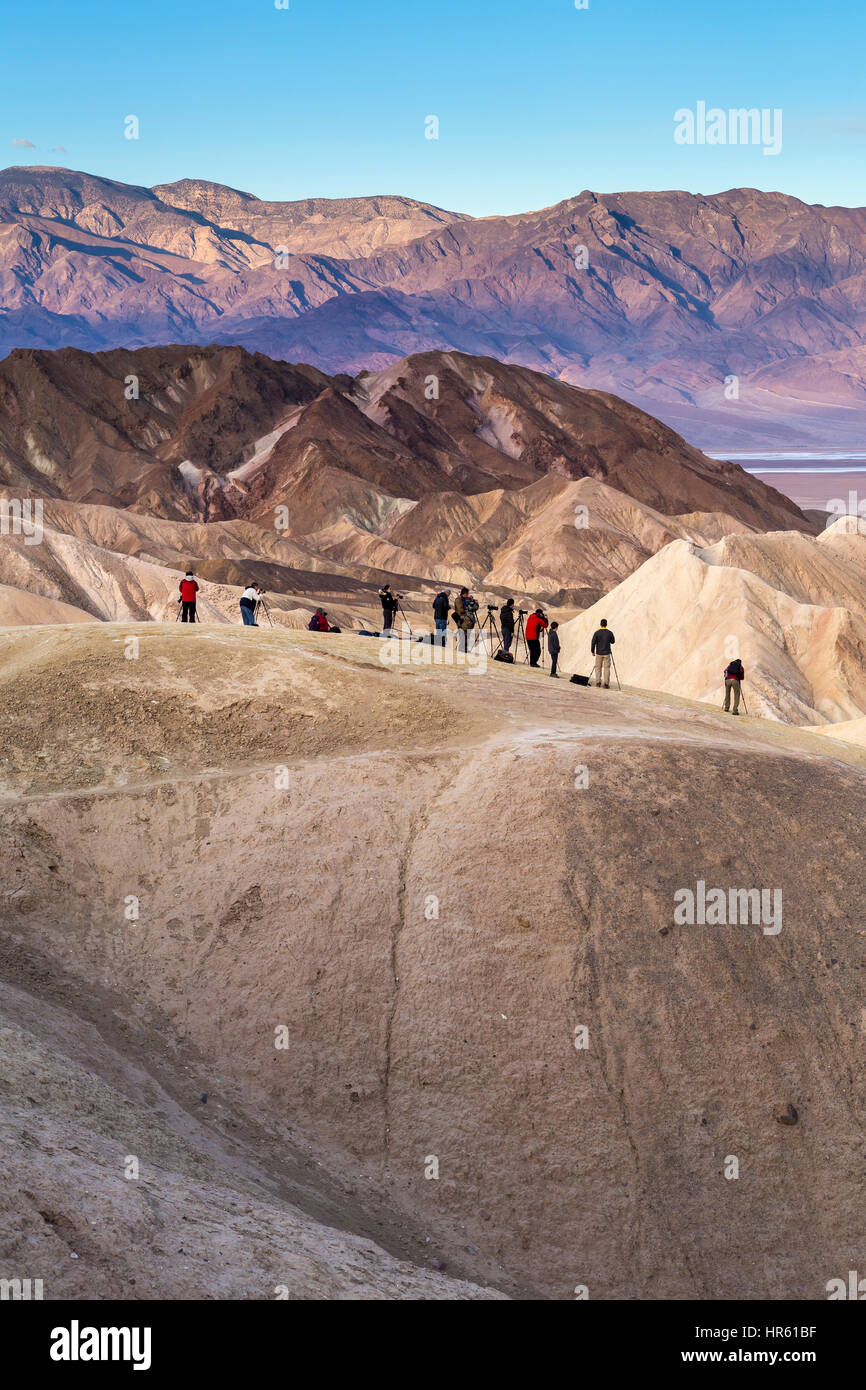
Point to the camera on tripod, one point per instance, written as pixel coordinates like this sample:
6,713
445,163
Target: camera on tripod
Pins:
491,608
523,612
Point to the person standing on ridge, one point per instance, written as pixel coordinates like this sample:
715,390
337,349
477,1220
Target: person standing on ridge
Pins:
441,609
506,622
464,616
602,641
389,602
735,673
553,647
249,599
535,625
188,590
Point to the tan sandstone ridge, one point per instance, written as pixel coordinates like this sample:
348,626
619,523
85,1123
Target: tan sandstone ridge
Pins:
116,563
432,878
793,607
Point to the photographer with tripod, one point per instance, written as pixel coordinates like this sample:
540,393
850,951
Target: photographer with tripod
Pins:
506,622
465,609
536,624
601,648
390,603
250,598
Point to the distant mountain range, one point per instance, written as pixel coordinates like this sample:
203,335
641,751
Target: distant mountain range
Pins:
661,297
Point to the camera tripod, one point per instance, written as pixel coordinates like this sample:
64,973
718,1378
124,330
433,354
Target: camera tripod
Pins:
195,616
489,626
261,604
389,615
520,635
401,610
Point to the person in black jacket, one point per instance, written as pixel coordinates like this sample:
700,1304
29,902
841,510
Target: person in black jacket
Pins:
506,622
441,609
602,641
735,673
553,646
389,602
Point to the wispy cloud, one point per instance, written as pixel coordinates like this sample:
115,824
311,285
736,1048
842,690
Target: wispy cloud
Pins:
23,145
58,149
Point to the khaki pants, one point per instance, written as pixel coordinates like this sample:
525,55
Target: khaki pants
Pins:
602,664
729,686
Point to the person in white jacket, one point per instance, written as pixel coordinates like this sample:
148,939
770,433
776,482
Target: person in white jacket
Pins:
250,599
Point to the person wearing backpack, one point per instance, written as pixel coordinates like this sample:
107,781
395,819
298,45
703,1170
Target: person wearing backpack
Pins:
735,674
188,590
318,622
441,609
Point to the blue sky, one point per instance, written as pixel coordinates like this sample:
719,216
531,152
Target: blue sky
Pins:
535,101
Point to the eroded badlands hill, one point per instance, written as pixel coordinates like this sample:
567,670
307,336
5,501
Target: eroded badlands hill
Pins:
445,469
432,880
792,607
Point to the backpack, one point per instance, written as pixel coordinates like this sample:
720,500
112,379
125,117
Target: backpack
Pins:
504,656
580,680
734,671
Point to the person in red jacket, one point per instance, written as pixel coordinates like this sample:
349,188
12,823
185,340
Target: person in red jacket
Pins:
319,621
188,590
535,626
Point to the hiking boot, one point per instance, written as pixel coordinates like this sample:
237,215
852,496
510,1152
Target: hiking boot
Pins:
735,711
607,685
